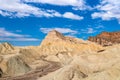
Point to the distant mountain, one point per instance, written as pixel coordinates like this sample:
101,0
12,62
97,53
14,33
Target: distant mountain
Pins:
106,38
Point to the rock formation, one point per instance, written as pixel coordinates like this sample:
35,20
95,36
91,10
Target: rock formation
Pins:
106,38
6,48
96,66
16,66
60,58
55,43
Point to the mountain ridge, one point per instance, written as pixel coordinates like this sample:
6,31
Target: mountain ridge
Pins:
106,38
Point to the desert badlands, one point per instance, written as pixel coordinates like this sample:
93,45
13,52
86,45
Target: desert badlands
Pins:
59,57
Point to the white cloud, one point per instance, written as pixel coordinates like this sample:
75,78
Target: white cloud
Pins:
77,4
72,16
71,35
88,30
99,27
18,8
5,33
67,31
18,30
108,9
61,30
10,36
68,15
58,2
18,39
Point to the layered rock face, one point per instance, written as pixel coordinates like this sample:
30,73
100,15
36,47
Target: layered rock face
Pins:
11,64
16,66
60,58
6,48
106,38
55,42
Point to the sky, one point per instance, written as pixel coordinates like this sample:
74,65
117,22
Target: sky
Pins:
26,22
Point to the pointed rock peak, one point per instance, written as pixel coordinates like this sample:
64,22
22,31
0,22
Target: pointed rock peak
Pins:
6,45
54,31
54,35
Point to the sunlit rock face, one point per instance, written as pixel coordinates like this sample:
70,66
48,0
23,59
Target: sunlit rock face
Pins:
6,48
55,42
106,38
104,65
16,66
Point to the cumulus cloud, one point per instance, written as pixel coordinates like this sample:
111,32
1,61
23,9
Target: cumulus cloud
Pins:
67,31
76,4
61,30
18,8
88,30
5,33
10,36
18,30
18,39
100,27
72,16
58,2
108,9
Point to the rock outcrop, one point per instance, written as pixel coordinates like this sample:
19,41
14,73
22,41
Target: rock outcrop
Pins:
16,66
55,43
106,38
96,66
6,48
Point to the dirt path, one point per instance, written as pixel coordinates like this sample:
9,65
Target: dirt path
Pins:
39,72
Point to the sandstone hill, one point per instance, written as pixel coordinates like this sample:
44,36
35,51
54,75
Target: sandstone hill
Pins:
6,48
55,42
106,38
60,58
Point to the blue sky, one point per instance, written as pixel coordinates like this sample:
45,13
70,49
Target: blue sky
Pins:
26,22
